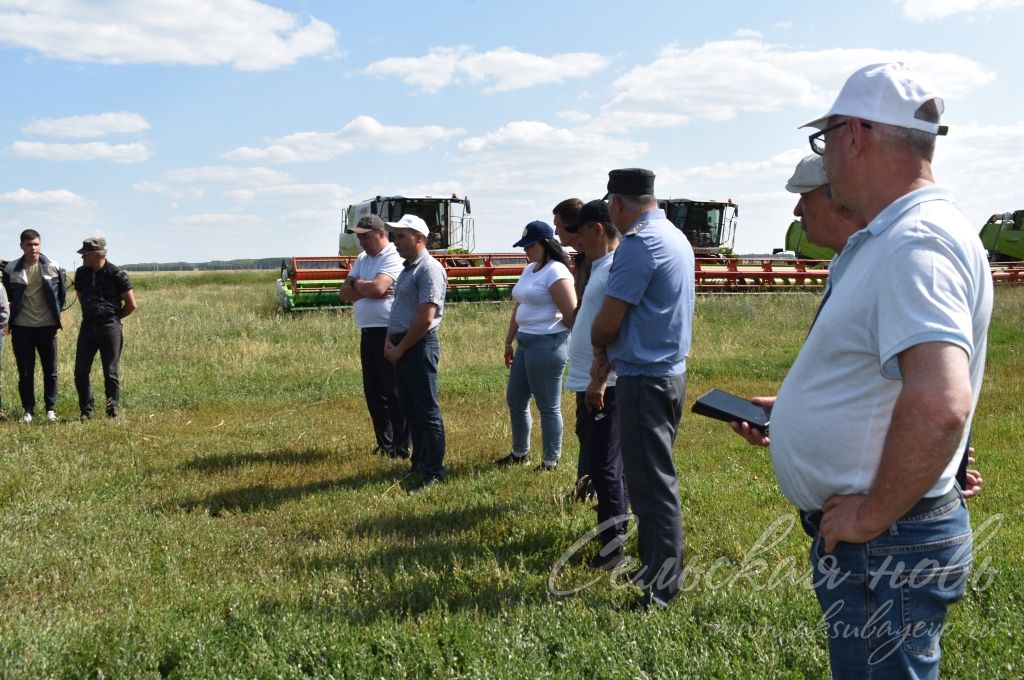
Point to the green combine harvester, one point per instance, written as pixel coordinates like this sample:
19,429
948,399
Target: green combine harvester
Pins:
797,243
1003,237
313,282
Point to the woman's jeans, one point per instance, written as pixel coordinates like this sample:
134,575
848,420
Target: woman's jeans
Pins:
537,371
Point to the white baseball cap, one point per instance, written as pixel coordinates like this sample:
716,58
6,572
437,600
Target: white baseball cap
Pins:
410,222
808,176
884,93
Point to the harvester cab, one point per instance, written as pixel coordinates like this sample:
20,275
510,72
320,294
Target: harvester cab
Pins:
1003,237
709,226
449,220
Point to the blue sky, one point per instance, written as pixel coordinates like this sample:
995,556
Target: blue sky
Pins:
194,130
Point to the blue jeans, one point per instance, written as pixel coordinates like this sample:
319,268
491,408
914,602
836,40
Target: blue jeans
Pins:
884,602
537,371
416,375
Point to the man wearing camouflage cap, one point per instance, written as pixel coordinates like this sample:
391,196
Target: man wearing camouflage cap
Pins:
105,295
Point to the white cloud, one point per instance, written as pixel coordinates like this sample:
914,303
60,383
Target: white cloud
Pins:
928,10
361,132
725,78
537,135
51,198
89,151
982,165
747,33
228,175
506,68
313,193
784,25
215,218
526,167
249,35
96,125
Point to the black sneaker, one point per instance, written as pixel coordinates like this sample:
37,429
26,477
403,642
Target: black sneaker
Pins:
512,459
85,417
428,482
585,489
609,562
546,466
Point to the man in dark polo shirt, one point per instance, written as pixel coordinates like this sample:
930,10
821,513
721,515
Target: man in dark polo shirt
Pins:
106,296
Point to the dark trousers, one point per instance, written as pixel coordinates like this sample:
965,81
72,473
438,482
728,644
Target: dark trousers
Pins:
381,392
26,341
417,395
107,339
649,412
583,462
603,450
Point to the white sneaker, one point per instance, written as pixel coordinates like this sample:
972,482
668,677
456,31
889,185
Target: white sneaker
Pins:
27,417
51,416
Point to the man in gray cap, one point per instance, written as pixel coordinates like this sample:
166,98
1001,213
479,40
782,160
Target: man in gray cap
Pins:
868,424
643,332
105,295
370,288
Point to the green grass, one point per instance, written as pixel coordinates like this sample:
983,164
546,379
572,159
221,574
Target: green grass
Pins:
234,524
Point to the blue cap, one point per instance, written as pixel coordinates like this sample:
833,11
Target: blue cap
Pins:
533,232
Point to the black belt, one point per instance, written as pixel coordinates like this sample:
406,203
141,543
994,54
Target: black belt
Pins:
928,503
396,338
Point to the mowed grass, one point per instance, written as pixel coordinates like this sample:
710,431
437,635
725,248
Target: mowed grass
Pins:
235,524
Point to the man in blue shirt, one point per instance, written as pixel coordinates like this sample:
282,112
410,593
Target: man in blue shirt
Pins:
643,332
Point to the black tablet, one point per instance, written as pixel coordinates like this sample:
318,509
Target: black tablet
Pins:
728,407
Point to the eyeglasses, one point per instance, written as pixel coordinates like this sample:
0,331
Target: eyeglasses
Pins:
817,140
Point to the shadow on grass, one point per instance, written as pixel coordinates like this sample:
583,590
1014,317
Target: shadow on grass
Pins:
227,461
439,558
258,497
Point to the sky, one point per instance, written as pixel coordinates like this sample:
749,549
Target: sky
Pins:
194,130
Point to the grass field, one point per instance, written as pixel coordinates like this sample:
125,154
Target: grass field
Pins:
235,524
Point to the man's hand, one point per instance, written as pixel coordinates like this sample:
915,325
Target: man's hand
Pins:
595,395
600,369
974,480
392,353
842,520
752,434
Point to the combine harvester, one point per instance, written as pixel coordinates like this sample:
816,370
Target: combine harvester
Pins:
313,282
1002,236
710,226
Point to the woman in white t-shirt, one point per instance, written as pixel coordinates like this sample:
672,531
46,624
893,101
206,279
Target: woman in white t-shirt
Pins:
540,323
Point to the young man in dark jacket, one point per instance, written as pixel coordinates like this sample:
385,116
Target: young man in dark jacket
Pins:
36,288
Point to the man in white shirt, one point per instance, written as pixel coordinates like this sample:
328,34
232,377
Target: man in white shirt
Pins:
370,288
597,415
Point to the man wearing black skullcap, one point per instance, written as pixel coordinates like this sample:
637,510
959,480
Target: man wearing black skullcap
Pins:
643,332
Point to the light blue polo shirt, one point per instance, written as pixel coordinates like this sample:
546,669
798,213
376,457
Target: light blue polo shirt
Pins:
653,272
917,273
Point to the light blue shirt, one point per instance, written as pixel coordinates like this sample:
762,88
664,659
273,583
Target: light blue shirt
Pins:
653,272
917,273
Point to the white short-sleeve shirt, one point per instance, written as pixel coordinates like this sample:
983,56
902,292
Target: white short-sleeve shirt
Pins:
537,313
374,312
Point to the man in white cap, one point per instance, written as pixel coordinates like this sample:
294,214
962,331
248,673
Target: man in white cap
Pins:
370,288
413,347
868,424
